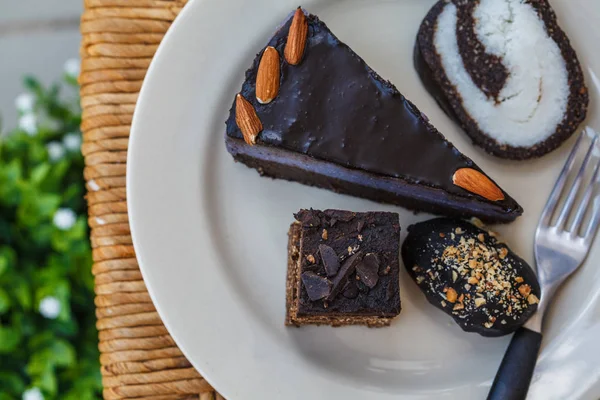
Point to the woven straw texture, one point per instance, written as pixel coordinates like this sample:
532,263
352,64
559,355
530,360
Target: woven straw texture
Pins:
139,358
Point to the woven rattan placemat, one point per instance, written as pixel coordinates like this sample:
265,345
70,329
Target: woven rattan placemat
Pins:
138,356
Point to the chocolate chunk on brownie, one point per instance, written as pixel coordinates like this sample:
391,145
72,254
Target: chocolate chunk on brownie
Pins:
343,268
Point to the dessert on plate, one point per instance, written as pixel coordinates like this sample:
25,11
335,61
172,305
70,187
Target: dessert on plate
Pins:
343,268
505,71
311,110
469,274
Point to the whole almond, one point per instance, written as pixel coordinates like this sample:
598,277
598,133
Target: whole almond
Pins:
476,182
267,78
296,40
247,120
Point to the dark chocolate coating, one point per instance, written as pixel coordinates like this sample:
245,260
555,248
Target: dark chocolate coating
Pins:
333,107
420,259
492,76
380,235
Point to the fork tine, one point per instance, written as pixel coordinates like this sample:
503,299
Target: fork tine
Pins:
560,184
595,219
576,225
568,206
593,227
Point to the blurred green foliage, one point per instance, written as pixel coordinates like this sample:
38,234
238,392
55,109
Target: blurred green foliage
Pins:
40,259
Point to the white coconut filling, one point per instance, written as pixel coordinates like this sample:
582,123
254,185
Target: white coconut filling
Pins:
534,98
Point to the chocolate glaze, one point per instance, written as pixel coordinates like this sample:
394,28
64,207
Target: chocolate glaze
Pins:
422,254
333,107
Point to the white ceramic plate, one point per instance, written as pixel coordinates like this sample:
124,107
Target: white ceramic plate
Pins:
210,234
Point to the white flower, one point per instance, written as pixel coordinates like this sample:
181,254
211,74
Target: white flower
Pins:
72,141
56,151
64,218
50,307
72,67
28,123
33,394
25,102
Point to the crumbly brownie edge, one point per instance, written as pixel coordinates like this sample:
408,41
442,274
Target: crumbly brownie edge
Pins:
284,164
291,287
337,321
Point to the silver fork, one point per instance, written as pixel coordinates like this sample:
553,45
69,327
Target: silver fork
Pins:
560,248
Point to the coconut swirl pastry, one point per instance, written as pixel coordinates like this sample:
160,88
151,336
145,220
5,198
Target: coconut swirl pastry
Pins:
505,71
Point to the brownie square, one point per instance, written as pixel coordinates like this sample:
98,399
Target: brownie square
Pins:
343,268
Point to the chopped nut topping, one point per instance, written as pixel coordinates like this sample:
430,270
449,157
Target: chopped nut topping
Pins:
491,282
420,279
443,303
324,234
488,325
532,299
525,290
442,235
451,295
503,253
479,301
503,322
360,238
311,258
416,268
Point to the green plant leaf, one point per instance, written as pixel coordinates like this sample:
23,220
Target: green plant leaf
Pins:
11,382
22,293
33,84
4,301
39,173
9,339
63,353
8,258
47,381
37,207
60,356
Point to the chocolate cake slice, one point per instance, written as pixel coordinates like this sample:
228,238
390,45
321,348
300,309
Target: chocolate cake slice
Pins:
505,71
311,110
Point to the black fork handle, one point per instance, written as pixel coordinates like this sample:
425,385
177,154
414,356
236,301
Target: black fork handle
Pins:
515,372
